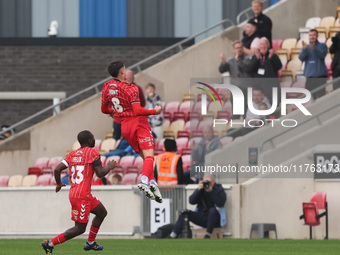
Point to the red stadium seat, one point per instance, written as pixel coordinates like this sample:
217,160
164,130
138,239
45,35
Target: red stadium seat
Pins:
179,116
204,123
4,180
181,143
186,108
41,162
186,162
197,107
172,107
186,151
130,179
115,158
34,170
181,133
311,214
138,162
227,107
158,151
161,144
54,161
194,116
126,161
277,44
44,180
133,169
223,115
117,170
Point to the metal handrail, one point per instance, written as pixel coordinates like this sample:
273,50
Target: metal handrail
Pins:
283,132
247,13
309,119
136,65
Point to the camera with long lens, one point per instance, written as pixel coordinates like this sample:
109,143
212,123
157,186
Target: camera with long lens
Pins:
206,184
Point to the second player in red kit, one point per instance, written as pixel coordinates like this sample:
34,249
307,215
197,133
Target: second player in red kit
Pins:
121,99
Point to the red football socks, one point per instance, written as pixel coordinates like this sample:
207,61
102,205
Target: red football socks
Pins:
148,167
58,239
93,234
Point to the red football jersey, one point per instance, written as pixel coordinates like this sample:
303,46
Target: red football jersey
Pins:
81,171
120,96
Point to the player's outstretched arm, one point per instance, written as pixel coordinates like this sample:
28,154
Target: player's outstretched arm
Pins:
102,171
57,173
140,111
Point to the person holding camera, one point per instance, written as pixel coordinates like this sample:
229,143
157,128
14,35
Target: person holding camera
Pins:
335,49
210,199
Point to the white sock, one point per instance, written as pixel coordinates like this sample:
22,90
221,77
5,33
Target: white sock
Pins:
153,182
173,235
145,179
50,243
90,242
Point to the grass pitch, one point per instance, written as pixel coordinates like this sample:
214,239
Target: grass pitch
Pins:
177,247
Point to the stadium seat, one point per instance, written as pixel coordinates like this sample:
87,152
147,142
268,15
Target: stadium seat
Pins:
194,116
29,180
115,158
172,107
326,23
44,180
34,170
167,116
188,97
15,180
197,107
311,209
333,31
295,54
158,151
111,176
183,133
197,133
41,162
117,170
287,45
191,125
130,179
160,144
4,180
133,169
203,124
310,24
138,162
186,108
223,115
276,44
227,107
108,145
179,116
166,125
176,126
186,151
186,159
181,144
54,161
126,161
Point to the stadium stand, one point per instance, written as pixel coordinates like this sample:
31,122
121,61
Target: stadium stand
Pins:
44,180
130,179
108,145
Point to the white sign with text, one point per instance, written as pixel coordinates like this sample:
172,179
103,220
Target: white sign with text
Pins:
160,214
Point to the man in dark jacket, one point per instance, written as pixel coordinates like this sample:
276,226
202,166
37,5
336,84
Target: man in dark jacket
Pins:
265,64
210,199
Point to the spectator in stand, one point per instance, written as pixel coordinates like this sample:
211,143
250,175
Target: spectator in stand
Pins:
7,132
210,199
199,151
169,165
335,49
116,179
315,70
250,38
264,23
265,64
236,67
155,121
129,78
258,99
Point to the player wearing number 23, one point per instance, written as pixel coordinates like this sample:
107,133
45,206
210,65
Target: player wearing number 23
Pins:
82,163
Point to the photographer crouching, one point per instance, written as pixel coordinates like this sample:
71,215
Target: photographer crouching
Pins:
210,198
